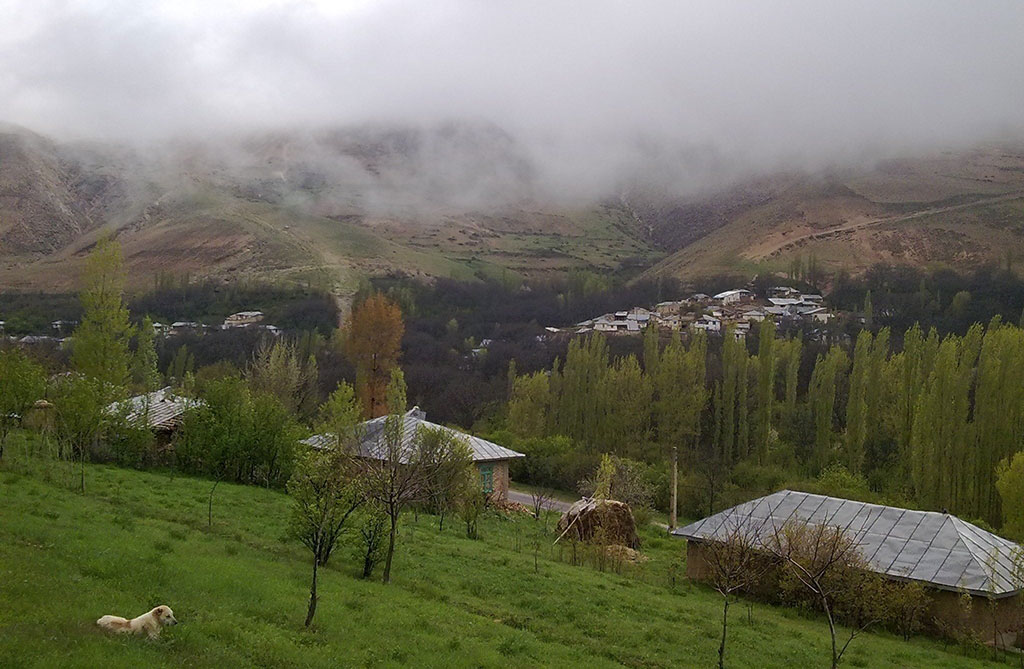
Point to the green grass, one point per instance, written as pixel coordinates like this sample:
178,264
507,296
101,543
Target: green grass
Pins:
239,588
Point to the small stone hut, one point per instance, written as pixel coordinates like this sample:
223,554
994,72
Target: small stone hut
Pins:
946,554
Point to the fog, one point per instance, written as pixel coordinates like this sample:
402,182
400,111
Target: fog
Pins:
594,93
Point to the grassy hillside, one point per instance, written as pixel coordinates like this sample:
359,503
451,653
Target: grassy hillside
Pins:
239,590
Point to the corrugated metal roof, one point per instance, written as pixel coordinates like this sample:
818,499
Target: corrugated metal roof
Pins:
937,549
161,409
372,445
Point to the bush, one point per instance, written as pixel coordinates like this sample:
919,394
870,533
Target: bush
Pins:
239,435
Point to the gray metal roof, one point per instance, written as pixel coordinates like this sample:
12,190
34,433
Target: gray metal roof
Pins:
160,409
372,446
937,549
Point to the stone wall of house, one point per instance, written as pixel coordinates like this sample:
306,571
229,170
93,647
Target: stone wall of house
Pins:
988,620
946,615
499,477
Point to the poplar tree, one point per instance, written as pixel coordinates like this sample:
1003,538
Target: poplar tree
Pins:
765,387
99,346
581,402
627,420
682,396
821,395
145,374
373,340
856,404
529,405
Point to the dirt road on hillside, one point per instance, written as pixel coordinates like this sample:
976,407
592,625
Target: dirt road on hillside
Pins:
859,225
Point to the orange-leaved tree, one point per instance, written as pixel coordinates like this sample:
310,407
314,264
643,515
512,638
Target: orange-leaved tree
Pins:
373,341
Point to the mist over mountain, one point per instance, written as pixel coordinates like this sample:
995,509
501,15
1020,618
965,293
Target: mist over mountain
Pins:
283,137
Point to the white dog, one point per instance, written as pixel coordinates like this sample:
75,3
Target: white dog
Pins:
151,623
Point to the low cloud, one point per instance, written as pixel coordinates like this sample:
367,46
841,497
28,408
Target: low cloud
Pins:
594,93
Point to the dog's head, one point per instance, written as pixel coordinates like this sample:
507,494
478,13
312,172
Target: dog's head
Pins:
164,615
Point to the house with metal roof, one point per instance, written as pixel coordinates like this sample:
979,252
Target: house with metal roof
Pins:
491,460
949,556
160,410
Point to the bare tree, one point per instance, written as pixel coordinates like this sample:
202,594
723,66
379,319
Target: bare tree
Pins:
326,491
735,561
398,472
540,498
826,562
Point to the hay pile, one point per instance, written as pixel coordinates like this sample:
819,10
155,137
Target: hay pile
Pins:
508,507
605,520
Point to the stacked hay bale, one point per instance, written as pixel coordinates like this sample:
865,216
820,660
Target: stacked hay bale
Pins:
606,520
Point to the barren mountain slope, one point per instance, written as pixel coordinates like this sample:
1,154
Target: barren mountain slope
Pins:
959,210
465,200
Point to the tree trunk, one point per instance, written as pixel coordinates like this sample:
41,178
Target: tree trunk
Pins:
832,633
312,596
391,549
368,563
725,627
209,508
675,489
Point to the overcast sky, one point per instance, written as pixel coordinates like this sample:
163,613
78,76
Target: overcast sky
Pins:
766,82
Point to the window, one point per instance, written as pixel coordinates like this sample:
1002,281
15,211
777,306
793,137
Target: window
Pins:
487,478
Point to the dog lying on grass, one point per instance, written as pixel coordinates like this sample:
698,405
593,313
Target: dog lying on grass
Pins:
151,623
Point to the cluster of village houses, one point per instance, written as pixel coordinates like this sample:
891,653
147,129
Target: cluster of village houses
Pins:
730,311
243,319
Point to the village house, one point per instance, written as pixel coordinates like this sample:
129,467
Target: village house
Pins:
161,410
243,319
182,327
490,459
946,554
735,296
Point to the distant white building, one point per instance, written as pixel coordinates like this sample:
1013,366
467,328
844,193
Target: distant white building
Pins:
734,296
181,327
243,319
708,323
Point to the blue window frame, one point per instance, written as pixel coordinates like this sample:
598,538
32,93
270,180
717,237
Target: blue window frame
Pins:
487,478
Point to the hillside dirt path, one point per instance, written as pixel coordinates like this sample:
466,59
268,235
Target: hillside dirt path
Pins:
871,222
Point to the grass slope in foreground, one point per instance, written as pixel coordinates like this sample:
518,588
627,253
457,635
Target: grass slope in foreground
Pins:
239,590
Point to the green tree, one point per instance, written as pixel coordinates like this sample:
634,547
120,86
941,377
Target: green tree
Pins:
1010,484
399,474
529,405
22,382
448,462
80,416
821,396
325,492
681,397
99,346
339,417
765,387
144,372
279,369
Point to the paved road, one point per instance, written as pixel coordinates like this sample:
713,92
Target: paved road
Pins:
526,499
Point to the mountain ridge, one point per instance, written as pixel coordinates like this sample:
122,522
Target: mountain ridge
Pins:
466,200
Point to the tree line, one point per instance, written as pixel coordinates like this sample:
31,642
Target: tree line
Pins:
932,422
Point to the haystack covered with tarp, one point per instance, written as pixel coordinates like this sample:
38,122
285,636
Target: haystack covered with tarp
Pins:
606,521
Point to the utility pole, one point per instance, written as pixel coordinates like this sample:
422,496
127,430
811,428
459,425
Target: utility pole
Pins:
675,489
